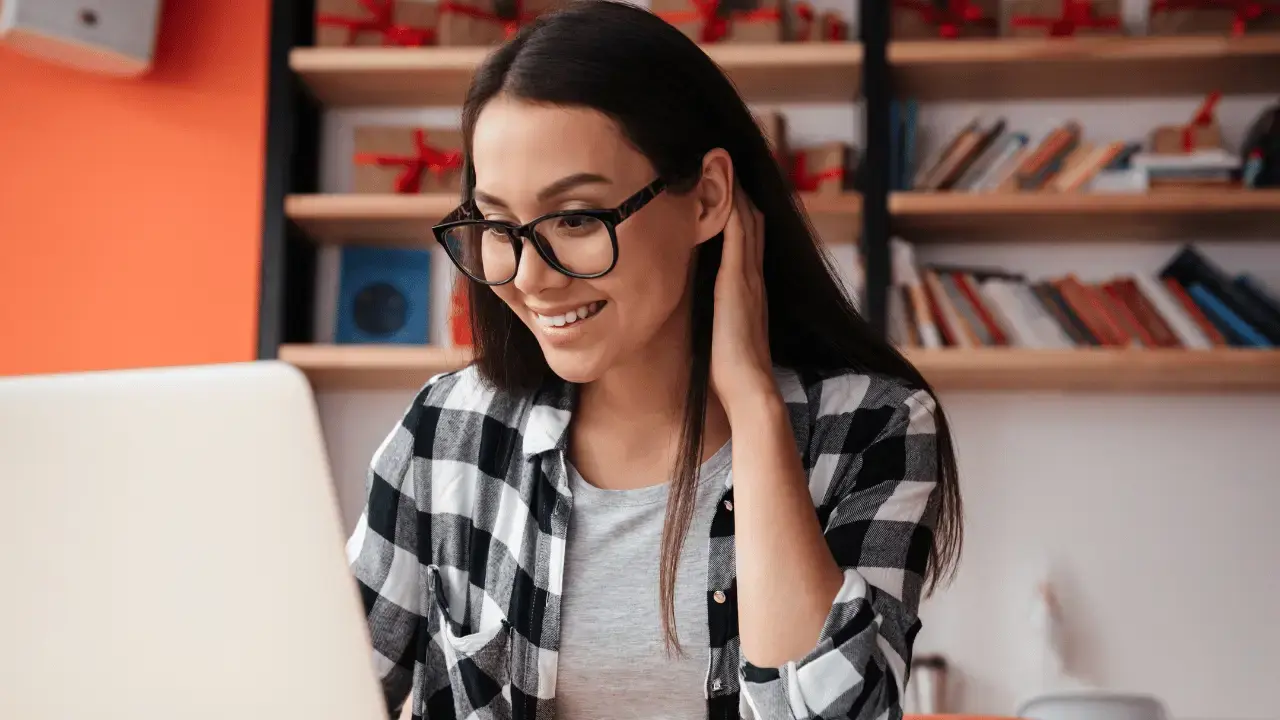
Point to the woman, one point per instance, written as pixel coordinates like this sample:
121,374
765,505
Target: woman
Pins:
683,478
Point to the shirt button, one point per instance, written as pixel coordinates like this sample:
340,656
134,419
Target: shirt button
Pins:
719,596
728,505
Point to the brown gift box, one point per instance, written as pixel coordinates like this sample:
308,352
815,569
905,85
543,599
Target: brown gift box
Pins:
407,160
1172,139
734,21
1052,10
342,23
477,22
1205,21
909,23
827,26
821,169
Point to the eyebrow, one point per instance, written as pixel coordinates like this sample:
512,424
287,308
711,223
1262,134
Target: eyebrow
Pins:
558,187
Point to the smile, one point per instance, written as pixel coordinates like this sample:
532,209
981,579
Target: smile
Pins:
573,317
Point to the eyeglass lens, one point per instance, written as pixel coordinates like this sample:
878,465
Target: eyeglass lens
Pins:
579,244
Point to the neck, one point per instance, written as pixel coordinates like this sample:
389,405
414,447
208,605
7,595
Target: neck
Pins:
640,405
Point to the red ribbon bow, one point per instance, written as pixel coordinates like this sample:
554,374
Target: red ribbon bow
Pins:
382,21
1246,11
1076,14
509,25
951,19
714,25
804,181
1202,118
425,159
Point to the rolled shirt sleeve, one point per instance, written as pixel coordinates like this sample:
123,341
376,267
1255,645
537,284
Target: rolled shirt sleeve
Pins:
874,475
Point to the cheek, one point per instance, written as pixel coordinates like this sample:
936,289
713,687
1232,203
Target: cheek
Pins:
652,271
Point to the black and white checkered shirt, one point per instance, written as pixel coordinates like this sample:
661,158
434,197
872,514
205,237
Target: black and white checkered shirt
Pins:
460,552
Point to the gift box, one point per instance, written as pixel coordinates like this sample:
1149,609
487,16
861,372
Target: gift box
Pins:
1201,133
822,169
1065,18
342,23
481,22
806,25
407,160
946,19
460,314
736,21
1213,17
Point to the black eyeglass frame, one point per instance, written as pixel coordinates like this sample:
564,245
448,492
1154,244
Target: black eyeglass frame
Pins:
467,214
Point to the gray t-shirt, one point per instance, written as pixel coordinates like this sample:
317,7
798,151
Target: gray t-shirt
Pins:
613,663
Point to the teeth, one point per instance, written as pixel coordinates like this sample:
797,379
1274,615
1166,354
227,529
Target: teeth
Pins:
582,313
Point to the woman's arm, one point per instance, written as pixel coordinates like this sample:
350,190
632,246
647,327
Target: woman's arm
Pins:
382,552
814,646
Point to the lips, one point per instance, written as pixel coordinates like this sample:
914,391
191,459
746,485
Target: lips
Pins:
571,317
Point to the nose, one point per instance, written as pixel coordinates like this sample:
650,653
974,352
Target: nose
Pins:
534,275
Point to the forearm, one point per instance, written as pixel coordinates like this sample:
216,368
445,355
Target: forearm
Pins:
787,577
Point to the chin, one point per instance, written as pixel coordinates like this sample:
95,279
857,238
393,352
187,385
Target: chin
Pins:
575,366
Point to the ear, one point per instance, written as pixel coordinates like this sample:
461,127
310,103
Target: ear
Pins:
714,193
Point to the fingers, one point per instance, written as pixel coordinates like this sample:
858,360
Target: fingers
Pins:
753,228
734,240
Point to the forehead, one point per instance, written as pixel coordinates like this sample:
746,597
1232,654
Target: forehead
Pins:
520,147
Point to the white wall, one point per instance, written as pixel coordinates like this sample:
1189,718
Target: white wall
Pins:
1156,516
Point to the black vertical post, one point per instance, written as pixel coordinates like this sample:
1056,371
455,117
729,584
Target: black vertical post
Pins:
878,94
292,148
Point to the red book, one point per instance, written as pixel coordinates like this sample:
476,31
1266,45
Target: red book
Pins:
1124,314
1193,310
965,283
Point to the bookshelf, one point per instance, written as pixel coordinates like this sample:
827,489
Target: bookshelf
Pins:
407,77
298,220
1094,67
931,217
406,220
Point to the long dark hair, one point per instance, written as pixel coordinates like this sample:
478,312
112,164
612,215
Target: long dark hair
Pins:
674,105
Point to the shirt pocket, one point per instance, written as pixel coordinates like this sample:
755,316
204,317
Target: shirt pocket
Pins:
478,664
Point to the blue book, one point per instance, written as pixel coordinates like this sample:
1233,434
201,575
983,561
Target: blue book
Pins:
1242,332
384,296
895,146
908,145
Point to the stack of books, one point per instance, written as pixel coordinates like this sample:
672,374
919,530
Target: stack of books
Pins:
986,157
1189,304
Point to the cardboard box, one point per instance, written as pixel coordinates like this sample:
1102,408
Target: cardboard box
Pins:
1045,18
341,23
1206,20
803,25
822,169
734,21
407,160
488,22
922,20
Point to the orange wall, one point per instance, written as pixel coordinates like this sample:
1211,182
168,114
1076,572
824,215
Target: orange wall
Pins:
130,210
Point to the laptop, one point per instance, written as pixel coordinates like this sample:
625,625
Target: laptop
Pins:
171,547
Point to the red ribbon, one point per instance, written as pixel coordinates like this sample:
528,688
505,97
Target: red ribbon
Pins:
715,27
425,159
1202,118
1246,11
509,25
949,20
1076,14
382,21
804,181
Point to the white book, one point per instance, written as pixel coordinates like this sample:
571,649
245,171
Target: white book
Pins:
1046,326
1004,306
1175,316
905,273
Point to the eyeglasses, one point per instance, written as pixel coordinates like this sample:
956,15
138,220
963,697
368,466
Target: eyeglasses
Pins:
578,243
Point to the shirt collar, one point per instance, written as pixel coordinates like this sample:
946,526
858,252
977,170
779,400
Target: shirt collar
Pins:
546,426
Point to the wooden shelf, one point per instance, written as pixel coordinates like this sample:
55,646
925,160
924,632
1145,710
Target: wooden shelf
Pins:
365,367
406,220
1137,370
1019,68
1033,216
372,367
408,77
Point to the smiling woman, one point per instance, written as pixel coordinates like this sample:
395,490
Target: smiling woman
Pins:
668,378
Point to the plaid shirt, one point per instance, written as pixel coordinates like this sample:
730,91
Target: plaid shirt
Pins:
459,553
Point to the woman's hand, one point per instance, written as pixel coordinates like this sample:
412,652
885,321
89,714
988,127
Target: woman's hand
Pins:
741,367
